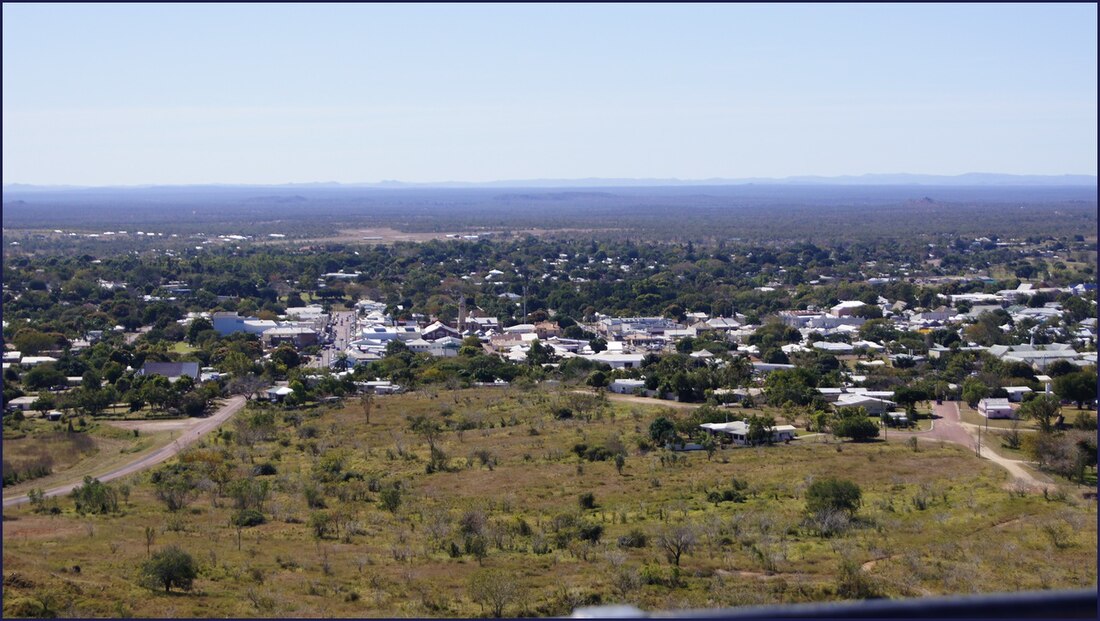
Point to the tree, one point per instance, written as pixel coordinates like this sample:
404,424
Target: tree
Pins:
830,494
170,567
286,356
677,541
493,589
760,430
662,431
367,402
853,423
247,385
973,391
198,325
598,379
1043,410
1078,387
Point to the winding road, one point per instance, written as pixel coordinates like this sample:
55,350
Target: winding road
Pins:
230,407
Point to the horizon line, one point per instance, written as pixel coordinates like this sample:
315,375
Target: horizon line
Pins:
1080,178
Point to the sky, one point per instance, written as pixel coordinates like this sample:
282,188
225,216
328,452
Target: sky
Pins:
131,94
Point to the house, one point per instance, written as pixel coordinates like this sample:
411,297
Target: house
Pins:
847,309
33,361
23,404
617,360
1038,356
547,329
626,386
379,387
995,408
737,431
1016,393
874,405
833,348
172,370
296,336
278,393
438,330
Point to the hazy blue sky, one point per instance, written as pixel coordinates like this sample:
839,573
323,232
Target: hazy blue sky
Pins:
133,94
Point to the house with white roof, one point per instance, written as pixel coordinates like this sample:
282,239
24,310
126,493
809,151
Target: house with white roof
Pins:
737,432
995,408
617,360
847,308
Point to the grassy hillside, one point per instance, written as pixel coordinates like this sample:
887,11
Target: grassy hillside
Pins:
505,504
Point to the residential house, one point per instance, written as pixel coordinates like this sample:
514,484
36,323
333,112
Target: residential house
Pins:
626,386
995,408
737,431
172,370
874,405
1016,393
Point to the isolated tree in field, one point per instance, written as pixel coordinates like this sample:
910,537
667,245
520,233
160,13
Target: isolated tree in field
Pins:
1043,410
1078,387
367,402
170,567
620,461
677,541
431,431
833,495
493,589
662,431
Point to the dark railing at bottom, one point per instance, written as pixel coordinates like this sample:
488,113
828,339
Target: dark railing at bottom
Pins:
1070,604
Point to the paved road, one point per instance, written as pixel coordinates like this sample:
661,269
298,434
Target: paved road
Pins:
343,324
949,427
228,409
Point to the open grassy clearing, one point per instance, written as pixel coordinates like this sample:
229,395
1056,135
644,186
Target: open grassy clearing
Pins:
98,449
934,521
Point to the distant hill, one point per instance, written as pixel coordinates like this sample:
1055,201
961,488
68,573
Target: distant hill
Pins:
899,179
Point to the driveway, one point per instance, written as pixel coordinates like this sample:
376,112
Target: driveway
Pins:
614,396
203,427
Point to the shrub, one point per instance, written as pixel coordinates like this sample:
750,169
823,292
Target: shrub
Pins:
248,517
833,495
264,470
95,497
390,498
633,539
587,501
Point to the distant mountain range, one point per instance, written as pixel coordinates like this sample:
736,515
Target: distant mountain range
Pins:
968,179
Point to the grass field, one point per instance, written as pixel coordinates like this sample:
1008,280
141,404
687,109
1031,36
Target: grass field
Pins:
98,449
933,521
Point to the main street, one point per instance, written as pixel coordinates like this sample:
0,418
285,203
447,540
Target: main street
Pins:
343,327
